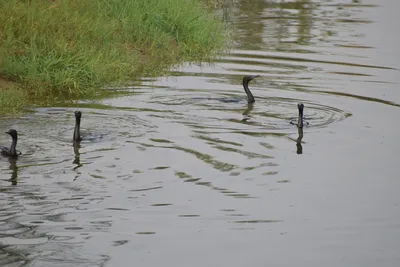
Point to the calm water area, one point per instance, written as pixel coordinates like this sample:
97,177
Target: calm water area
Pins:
171,173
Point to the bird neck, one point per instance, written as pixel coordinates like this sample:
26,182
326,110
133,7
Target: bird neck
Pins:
300,120
77,134
250,97
13,150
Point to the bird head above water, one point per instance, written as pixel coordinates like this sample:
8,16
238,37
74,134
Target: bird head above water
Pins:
78,114
248,78
13,133
300,106
11,152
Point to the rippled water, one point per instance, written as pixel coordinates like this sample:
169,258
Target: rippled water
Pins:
181,171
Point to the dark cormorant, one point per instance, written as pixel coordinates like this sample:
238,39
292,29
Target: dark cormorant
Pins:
300,106
246,80
11,152
77,135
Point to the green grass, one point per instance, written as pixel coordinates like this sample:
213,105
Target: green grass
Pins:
12,100
73,47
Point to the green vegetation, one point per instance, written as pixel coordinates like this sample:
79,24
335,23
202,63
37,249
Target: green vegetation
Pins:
71,48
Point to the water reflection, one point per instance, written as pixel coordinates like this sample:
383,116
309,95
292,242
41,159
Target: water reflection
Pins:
77,159
246,113
14,170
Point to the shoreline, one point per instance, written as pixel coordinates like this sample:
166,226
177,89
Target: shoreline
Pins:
70,49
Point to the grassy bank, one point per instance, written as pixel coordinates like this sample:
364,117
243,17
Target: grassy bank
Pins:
72,47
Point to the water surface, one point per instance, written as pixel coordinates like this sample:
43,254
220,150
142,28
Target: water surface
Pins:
170,173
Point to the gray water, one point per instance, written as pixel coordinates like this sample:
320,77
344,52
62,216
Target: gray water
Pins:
170,174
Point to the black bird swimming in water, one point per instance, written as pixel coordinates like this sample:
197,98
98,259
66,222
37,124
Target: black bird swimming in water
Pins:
246,80
11,152
300,106
250,97
77,134
300,121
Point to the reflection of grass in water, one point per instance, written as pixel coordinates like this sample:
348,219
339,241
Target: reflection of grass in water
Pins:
366,98
259,134
250,155
146,189
145,233
182,175
309,60
237,195
283,181
270,173
188,179
218,141
250,168
160,140
226,191
161,168
266,145
222,166
97,176
161,204
259,221
13,254
205,183
192,180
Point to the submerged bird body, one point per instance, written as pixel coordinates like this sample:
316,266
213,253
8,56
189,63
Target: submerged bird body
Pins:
77,133
246,80
11,152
